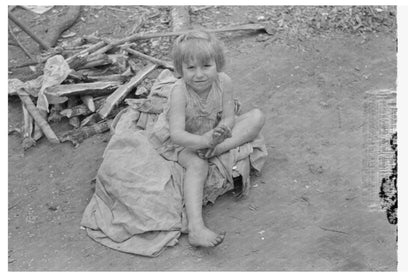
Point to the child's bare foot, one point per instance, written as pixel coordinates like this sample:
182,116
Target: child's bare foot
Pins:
205,237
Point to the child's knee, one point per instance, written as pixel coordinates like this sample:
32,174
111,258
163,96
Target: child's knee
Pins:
258,117
198,165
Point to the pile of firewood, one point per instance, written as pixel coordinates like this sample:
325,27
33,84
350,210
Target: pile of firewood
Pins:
87,81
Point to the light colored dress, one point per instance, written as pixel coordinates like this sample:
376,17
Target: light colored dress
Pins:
201,115
138,203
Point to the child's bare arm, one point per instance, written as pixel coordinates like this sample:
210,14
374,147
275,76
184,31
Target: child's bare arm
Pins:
228,116
177,125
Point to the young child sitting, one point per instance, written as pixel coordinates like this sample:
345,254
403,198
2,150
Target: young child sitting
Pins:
202,123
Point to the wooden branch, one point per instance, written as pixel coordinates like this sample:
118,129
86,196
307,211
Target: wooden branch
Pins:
116,97
112,77
65,22
164,64
73,121
94,89
46,129
246,27
82,109
84,52
20,45
16,21
180,18
77,110
78,135
28,141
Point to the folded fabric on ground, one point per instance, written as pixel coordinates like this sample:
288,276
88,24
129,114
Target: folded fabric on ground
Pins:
138,206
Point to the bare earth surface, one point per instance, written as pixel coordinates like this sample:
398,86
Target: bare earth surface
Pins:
309,210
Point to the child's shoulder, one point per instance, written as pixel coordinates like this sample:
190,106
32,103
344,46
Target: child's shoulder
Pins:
223,77
225,81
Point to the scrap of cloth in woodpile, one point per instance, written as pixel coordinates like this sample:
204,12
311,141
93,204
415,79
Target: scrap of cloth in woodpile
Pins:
138,203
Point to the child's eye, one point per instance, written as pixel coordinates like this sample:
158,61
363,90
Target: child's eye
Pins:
207,65
191,67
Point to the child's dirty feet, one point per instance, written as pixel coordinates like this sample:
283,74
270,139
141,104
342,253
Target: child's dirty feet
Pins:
205,238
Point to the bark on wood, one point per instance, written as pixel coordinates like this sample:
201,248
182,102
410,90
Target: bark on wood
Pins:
164,64
78,135
94,89
54,114
73,121
16,21
117,96
64,23
46,129
20,45
180,18
85,52
97,78
76,111
91,119
28,141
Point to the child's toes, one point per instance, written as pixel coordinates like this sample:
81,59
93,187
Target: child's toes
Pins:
220,238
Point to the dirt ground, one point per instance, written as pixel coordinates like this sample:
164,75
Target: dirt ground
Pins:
308,211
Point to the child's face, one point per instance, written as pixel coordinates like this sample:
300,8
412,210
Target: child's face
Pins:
200,75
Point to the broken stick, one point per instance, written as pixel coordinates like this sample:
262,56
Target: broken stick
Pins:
31,108
94,89
16,21
246,27
164,64
28,141
117,96
20,45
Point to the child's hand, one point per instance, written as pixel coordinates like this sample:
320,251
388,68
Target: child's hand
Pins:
221,133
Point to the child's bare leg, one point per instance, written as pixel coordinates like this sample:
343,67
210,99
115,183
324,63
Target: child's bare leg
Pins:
196,170
246,128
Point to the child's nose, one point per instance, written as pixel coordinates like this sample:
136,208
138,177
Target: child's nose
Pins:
199,72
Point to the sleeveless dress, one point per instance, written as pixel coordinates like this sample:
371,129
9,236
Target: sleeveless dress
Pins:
201,115
138,203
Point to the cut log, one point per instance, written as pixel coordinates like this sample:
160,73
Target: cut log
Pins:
94,89
78,135
89,102
42,123
117,96
74,121
76,111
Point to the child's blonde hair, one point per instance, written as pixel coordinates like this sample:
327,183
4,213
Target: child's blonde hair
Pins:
197,45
